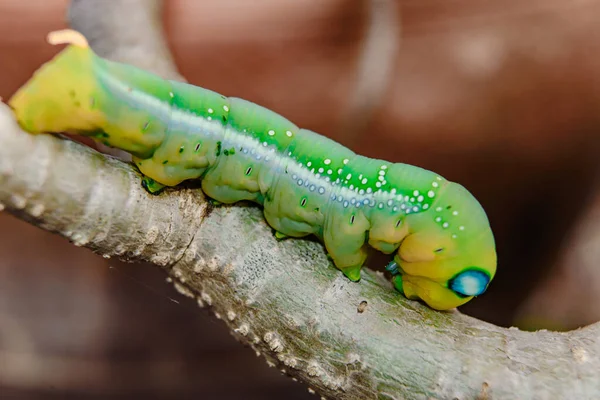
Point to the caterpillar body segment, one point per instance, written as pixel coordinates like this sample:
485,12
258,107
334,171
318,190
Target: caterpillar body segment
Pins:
191,145
442,245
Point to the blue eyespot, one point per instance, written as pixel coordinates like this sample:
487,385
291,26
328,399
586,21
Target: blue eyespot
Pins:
472,282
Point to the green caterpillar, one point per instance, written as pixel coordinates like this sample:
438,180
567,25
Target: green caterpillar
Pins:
307,184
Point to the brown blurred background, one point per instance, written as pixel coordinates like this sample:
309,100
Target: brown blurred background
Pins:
499,95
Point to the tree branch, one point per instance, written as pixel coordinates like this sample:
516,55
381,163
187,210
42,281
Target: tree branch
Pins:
284,299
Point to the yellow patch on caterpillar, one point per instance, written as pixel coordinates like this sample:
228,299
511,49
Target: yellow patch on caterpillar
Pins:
62,95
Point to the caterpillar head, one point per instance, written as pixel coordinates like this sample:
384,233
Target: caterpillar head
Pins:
449,256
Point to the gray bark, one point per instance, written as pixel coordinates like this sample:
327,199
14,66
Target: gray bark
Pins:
285,299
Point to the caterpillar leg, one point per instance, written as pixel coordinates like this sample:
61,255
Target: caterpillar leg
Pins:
224,184
221,193
397,281
286,227
352,272
287,221
214,203
386,233
280,236
345,236
152,186
384,247
158,175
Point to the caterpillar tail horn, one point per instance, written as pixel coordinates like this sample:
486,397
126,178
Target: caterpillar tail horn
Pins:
60,97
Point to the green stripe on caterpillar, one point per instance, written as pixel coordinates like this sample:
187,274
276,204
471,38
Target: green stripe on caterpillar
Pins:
443,246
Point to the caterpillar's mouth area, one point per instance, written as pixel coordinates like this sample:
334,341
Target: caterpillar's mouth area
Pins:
435,294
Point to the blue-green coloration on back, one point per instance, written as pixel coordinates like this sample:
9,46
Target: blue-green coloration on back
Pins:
308,184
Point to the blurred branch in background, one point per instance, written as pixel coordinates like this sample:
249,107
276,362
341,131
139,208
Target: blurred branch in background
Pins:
569,297
379,49
135,25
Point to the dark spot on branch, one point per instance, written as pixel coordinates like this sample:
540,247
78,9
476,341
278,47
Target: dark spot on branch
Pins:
362,306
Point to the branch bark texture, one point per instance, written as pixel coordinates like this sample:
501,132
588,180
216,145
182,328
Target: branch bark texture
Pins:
284,299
